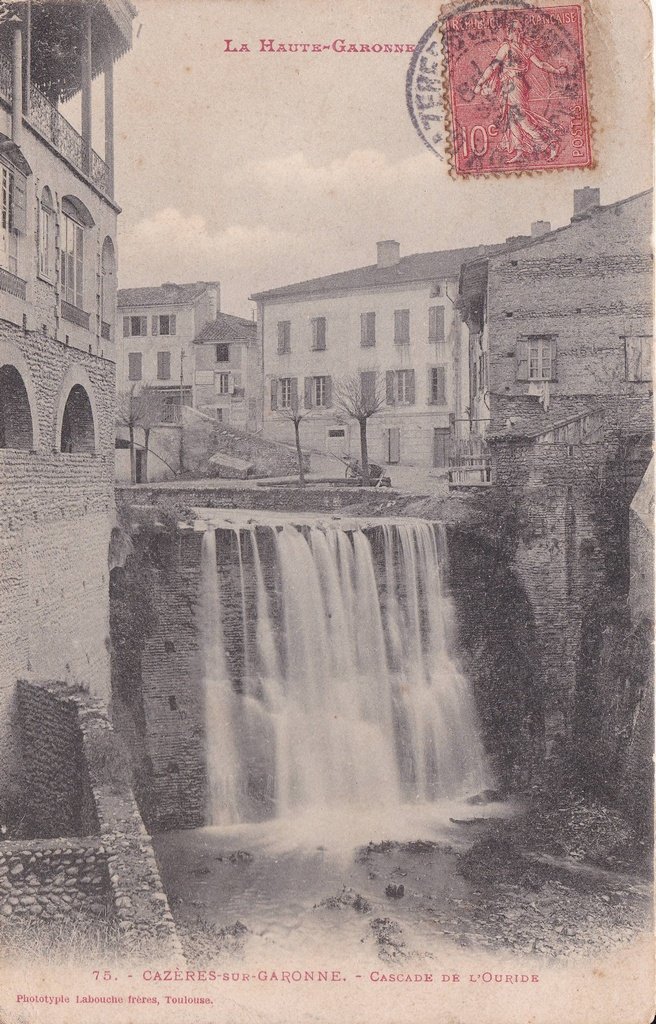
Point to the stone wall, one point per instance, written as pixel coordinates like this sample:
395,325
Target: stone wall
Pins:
56,511
111,872
590,284
39,879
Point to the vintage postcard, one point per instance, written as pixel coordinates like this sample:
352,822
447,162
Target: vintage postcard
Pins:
327,512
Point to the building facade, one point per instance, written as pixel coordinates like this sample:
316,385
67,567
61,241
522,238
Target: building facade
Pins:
192,361
227,371
563,321
392,329
57,348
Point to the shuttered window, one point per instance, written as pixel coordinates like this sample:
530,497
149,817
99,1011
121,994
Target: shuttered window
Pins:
402,326
135,326
405,387
134,365
535,357
368,380
72,262
284,337
163,365
367,330
319,334
436,323
437,385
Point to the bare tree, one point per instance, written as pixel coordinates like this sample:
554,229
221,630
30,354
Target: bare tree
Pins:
295,414
360,396
139,410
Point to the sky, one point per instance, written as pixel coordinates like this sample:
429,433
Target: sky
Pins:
261,169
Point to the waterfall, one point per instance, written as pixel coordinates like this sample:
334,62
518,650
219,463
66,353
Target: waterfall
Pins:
220,710
353,696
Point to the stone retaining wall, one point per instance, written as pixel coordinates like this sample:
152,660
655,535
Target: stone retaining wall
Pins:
111,874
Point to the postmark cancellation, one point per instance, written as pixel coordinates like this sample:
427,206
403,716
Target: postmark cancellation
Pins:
516,94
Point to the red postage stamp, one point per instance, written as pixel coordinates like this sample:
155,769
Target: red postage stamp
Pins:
517,90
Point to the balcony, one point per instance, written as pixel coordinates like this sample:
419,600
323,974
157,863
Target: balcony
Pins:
11,284
52,126
74,315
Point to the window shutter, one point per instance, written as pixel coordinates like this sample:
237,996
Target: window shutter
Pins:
79,267
401,326
144,325
328,393
308,393
389,387
554,364
368,387
126,326
521,360
274,392
19,213
436,323
155,325
172,324
294,395
364,338
431,398
237,381
440,385
411,387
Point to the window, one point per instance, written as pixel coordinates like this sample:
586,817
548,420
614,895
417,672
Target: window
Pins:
535,357
285,392
223,353
393,445
319,334
367,330
437,385
163,365
637,357
8,240
164,324
135,326
321,391
284,337
223,383
402,326
134,365
400,387
368,388
46,235
72,262
436,323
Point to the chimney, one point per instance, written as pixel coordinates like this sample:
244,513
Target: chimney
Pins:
213,299
585,199
389,254
540,227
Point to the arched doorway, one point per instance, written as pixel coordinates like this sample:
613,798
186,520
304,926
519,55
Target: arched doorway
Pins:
77,430
15,412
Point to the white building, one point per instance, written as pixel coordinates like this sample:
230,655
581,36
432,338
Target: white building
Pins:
396,319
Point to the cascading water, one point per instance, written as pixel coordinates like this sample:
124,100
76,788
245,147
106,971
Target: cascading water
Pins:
350,694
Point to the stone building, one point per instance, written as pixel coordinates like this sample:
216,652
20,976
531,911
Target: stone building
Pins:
560,337
395,327
561,320
191,359
57,343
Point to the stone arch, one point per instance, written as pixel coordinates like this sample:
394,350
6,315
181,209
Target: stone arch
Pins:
75,208
18,422
76,426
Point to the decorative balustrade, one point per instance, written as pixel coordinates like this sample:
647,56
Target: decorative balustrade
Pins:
53,126
11,284
74,315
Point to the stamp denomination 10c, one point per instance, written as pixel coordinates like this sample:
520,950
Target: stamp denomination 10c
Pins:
516,90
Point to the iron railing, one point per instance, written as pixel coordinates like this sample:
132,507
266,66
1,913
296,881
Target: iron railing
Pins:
53,126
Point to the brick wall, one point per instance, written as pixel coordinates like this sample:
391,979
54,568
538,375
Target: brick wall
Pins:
55,514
